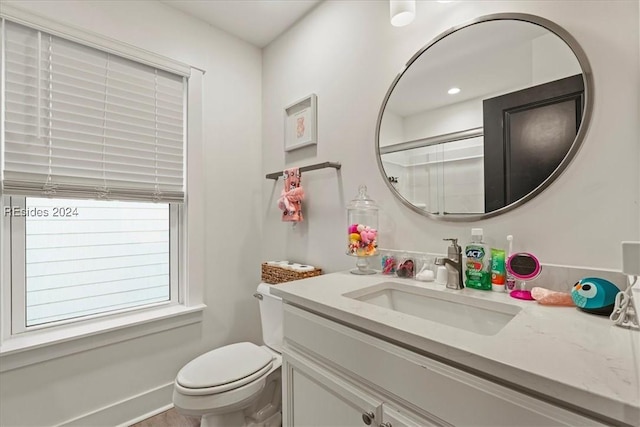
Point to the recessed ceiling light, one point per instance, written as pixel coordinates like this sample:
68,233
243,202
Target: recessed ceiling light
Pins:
453,90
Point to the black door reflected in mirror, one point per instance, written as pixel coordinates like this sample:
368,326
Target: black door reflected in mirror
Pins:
484,117
527,134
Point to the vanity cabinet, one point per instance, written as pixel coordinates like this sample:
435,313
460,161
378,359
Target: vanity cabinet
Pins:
334,375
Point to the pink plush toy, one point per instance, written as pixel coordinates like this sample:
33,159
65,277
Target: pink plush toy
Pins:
368,235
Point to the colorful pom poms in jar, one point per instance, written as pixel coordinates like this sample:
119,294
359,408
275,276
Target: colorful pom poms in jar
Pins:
362,242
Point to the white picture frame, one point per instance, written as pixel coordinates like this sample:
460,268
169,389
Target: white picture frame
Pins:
300,123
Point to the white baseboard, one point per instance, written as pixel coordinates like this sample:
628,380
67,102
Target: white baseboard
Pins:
128,411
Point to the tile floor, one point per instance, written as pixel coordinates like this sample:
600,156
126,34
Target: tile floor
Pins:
169,418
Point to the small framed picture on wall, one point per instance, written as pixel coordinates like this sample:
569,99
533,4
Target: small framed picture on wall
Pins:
300,123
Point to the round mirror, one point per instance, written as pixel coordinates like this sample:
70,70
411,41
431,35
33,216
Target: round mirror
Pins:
484,117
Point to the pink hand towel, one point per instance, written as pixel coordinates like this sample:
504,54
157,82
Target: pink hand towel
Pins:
290,201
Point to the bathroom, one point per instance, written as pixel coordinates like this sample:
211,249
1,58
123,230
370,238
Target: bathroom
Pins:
348,54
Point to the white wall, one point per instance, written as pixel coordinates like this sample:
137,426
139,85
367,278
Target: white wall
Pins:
61,389
352,54
391,129
446,119
552,60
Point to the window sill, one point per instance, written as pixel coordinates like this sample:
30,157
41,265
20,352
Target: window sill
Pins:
39,346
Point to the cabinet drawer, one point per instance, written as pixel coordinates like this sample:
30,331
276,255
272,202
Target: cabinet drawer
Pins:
451,394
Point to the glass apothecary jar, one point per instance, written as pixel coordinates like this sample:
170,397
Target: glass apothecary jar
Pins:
362,230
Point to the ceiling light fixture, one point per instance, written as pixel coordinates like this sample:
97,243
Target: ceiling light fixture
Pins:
402,12
453,90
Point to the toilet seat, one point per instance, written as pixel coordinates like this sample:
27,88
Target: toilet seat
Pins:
223,369
224,387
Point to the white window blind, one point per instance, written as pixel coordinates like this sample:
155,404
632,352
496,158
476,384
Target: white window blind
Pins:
83,123
90,256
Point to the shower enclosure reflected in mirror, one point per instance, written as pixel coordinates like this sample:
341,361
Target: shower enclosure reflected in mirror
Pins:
484,117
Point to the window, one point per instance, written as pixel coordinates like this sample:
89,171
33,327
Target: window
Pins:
93,180
77,258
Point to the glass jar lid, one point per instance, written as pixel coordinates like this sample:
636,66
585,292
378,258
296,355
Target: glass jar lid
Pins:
362,200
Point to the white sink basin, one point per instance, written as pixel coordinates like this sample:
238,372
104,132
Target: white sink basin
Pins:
459,311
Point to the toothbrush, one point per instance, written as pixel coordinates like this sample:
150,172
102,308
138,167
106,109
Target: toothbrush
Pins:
510,284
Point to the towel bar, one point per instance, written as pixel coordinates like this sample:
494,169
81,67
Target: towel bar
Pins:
335,165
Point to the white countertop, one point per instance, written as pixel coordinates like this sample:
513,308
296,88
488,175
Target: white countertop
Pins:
562,352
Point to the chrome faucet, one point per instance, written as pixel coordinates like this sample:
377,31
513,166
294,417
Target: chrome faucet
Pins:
453,262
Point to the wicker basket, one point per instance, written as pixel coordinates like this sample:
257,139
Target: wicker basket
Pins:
274,274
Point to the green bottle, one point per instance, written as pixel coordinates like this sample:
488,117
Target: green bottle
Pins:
478,272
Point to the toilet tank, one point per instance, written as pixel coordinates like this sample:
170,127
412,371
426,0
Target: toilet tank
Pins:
271,317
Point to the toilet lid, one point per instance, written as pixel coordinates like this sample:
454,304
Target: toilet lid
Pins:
224,365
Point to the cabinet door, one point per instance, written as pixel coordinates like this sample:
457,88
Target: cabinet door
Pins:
315,397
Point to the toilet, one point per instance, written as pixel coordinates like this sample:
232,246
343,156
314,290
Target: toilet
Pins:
238,384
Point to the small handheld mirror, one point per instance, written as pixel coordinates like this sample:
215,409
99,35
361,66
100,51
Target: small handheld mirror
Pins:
523,266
